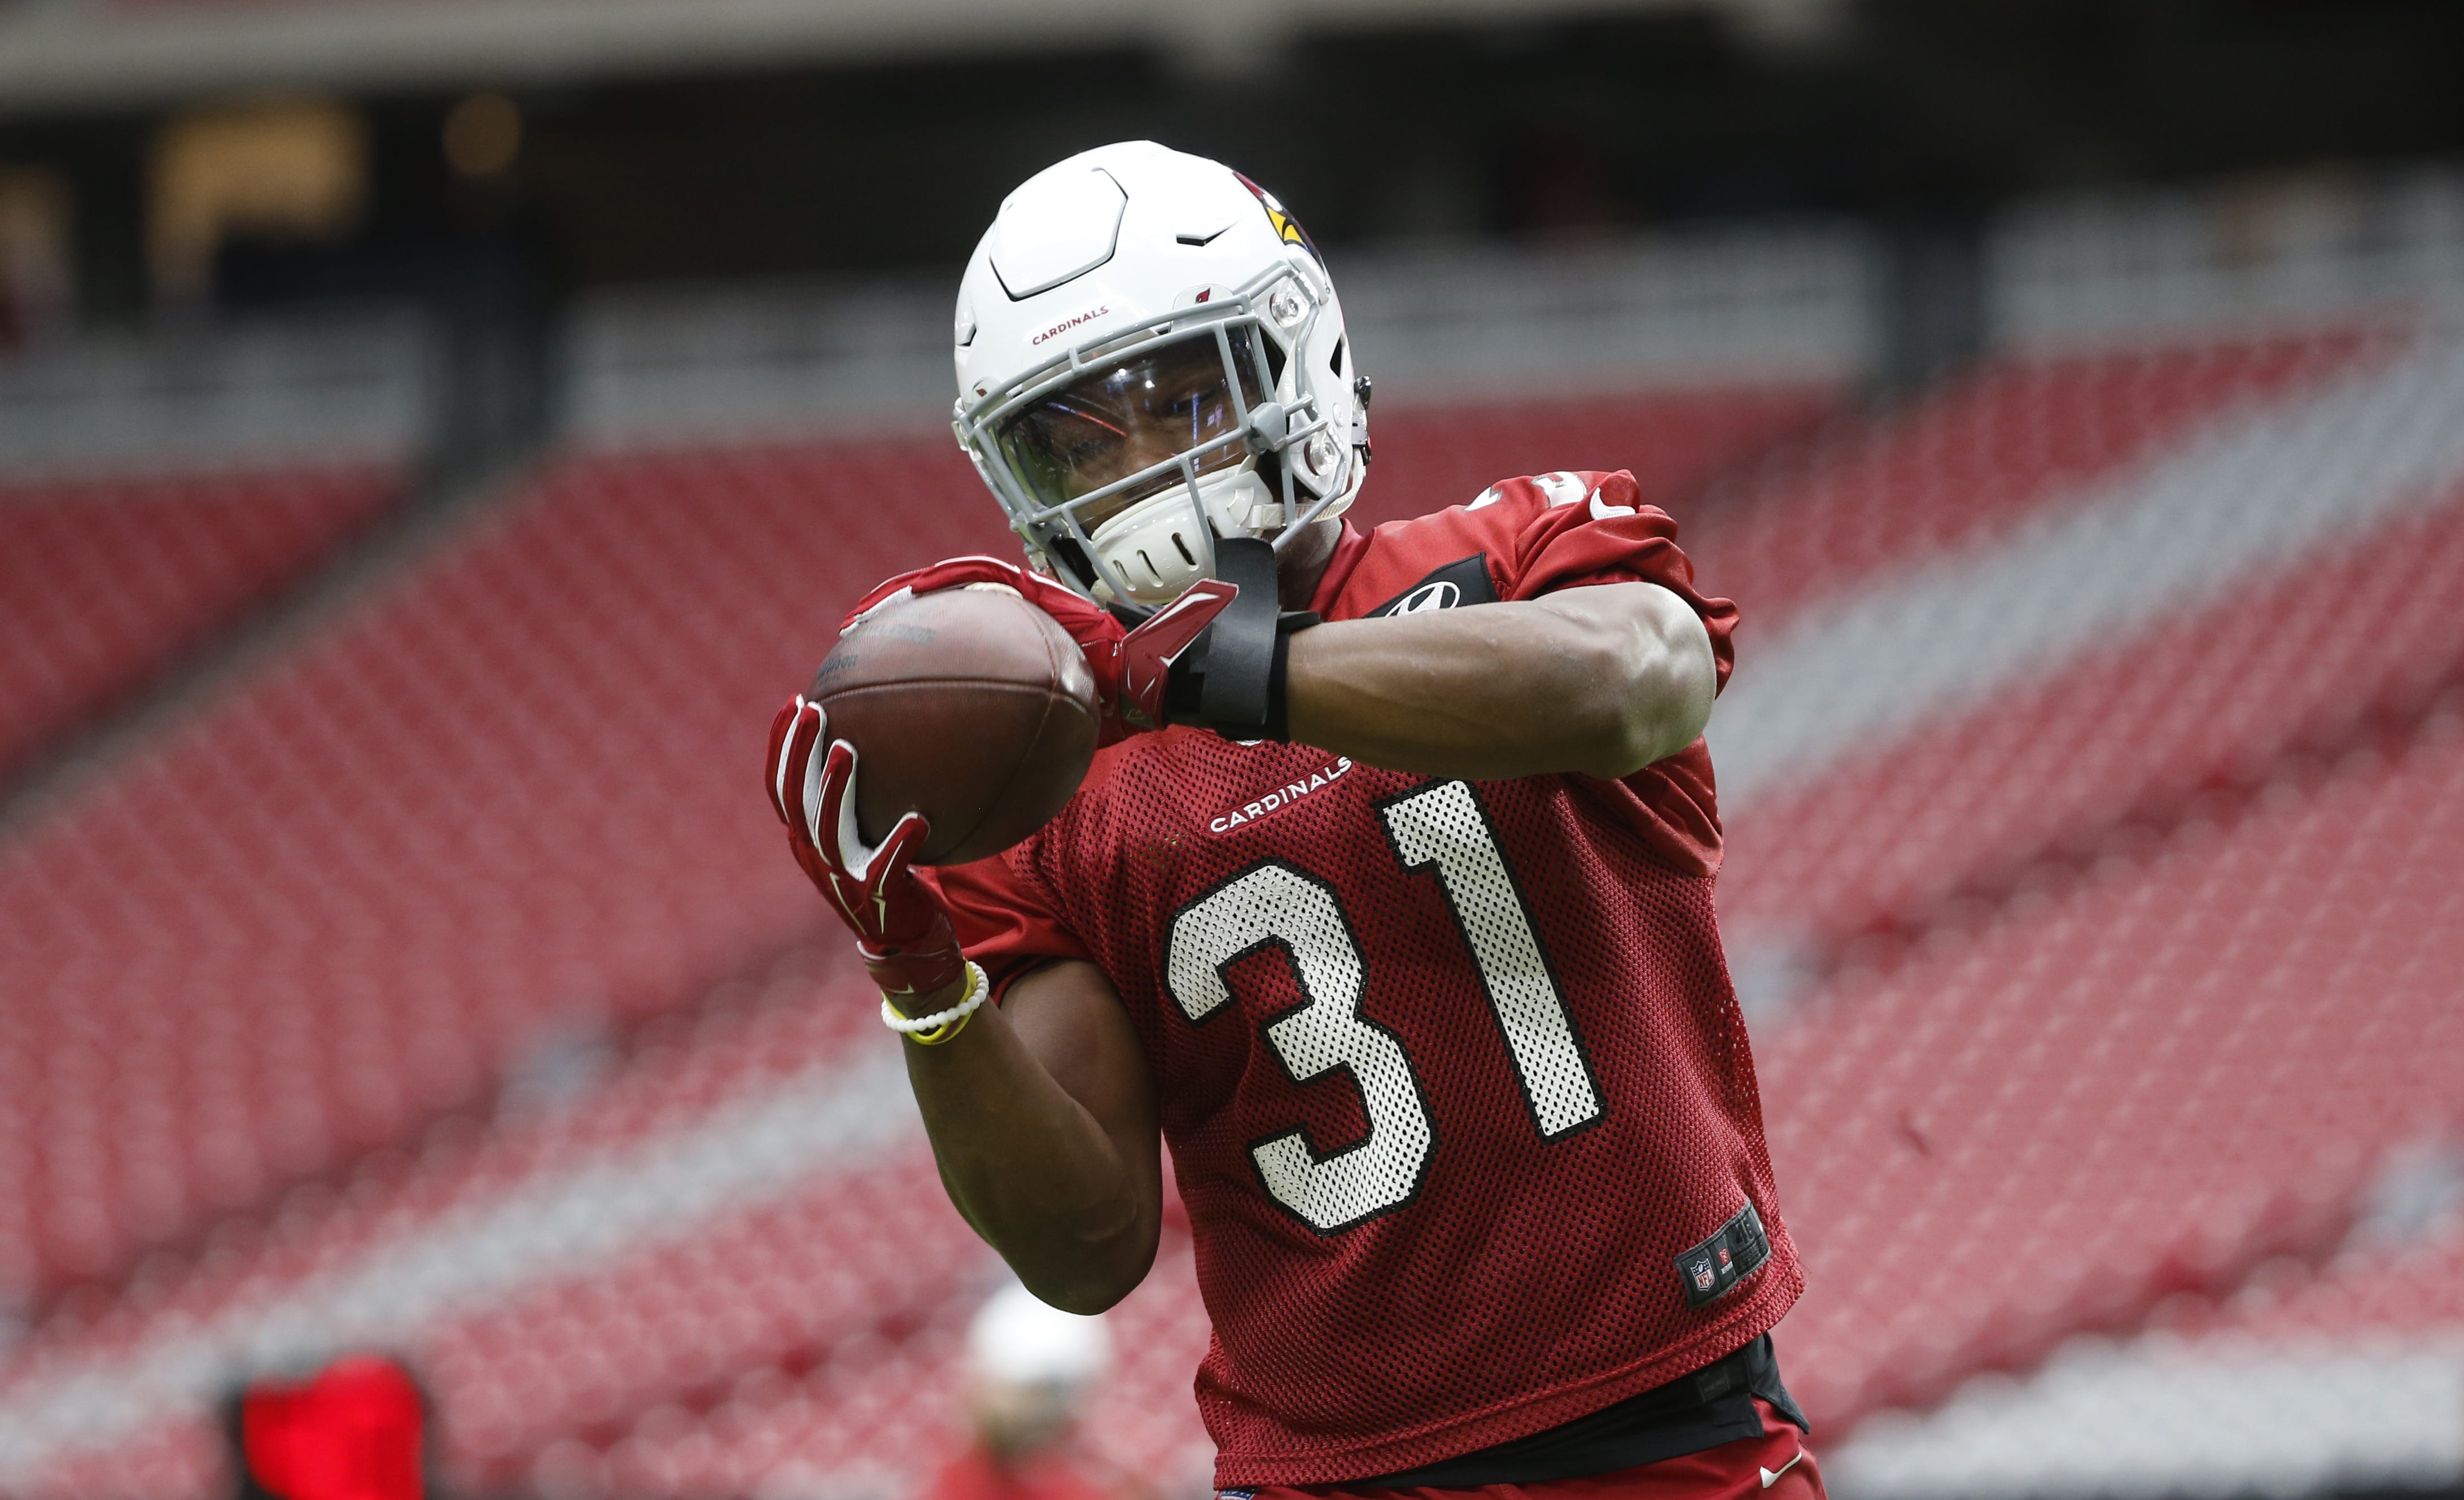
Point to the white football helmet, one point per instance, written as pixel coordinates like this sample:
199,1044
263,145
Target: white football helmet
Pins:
1151,356
1030,1368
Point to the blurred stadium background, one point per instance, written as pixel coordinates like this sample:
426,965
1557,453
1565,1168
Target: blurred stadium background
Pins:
434,434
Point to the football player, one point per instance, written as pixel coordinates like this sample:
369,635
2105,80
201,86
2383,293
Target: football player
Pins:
1389,904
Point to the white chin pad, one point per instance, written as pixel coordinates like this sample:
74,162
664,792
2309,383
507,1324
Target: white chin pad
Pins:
1156,545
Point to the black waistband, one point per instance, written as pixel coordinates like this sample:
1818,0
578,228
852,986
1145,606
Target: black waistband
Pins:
1713,1405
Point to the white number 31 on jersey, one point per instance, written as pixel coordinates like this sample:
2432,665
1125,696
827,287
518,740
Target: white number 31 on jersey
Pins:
1439,828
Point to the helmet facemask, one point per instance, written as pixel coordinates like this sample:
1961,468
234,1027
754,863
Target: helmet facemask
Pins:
1122,461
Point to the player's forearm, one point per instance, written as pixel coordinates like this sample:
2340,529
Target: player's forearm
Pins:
1601,680
1070,1210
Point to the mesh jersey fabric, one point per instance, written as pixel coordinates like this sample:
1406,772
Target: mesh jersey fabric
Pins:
1452,1072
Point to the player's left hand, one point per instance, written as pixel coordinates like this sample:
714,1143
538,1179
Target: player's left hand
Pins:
901,927
1133,667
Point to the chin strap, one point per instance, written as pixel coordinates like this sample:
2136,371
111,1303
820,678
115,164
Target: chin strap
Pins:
1231,679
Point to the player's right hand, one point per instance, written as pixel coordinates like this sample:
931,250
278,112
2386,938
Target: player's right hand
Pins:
900,926
1133,667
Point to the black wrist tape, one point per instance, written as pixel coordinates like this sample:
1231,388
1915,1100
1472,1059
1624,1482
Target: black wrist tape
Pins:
1278,700
1241,643
1231,678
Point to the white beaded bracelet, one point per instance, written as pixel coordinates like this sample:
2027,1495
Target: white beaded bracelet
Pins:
978,989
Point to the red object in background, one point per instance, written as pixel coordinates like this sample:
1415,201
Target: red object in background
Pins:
977,1475
354,1432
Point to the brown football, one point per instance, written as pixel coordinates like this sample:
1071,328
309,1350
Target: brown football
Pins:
970,706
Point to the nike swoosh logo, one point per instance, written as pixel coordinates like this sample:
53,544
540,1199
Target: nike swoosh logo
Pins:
1770,1476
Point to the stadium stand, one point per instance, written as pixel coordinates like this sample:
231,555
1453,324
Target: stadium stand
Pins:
2350,1378
105,582
1917,1113
2054,1112
1869,1084
155,489
2063,1040
375,870
1983,458
1849,1365
407,864
2207,704
2370,1288
525,1266
2104,731
428,990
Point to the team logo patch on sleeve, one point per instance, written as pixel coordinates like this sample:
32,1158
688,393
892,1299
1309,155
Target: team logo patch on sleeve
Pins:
1735,1250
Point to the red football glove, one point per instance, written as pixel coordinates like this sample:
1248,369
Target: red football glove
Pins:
1131,667
901,928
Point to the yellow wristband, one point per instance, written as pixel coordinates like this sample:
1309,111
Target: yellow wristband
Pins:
940,1027
941,1033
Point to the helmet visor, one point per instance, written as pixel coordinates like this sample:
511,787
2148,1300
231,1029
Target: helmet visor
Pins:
1147,406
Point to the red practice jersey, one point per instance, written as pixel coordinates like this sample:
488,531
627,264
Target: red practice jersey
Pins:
1458,1095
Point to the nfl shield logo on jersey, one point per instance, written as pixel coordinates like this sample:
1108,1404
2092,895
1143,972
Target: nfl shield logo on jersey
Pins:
1704,1274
